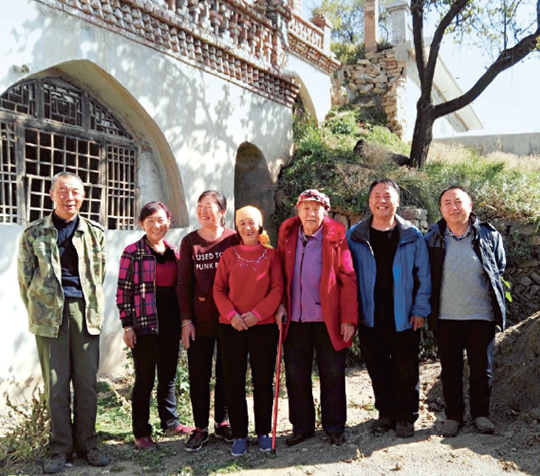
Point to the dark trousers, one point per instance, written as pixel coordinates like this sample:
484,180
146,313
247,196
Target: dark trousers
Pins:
478,339
200,358
260,342
72,357
153,351
302,340
392,362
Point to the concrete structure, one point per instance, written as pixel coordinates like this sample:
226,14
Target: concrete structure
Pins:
194,95
526,143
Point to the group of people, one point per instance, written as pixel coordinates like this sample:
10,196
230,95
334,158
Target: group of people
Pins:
317,288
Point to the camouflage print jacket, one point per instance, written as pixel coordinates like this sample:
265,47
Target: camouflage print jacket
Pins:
40,275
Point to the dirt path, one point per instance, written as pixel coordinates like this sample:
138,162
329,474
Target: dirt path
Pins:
513,449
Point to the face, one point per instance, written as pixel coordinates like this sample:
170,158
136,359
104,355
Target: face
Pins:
68,196
383,201
156,226
208,212
311,215
248,229
456,207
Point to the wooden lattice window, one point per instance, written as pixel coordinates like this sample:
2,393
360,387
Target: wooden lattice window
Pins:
49,126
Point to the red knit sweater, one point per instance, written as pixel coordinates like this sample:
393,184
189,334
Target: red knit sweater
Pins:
248,279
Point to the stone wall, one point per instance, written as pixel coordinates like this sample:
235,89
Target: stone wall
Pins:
523,276
379,74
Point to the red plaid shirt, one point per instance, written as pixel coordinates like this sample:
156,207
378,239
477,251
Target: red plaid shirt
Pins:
136,292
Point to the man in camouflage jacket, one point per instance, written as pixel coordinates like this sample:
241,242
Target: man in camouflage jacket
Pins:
61,268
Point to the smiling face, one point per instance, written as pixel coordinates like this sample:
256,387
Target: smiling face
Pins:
156,226
383,201
248,229
68,196
456,207
311,215
208,212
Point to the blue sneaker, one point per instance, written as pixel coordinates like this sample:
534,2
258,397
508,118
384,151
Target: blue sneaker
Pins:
239,447
265,443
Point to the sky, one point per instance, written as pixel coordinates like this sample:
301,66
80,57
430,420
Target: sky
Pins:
510,104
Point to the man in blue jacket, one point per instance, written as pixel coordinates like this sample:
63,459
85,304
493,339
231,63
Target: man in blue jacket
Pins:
394,287
467,261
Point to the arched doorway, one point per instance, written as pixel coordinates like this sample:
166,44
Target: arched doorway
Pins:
253,184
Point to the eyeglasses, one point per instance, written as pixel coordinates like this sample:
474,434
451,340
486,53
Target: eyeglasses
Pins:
75,193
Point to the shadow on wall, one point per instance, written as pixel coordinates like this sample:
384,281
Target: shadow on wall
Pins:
253,184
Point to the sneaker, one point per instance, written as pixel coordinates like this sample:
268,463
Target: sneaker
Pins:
404,429
54,463
484,425
265,443
145,443
337,439
451,428
224,431
179,430
239,447
381,425
96,457
196,441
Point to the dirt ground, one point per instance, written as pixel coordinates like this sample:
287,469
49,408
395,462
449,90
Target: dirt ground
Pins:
514,448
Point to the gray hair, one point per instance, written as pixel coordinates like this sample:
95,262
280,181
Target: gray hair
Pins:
65,174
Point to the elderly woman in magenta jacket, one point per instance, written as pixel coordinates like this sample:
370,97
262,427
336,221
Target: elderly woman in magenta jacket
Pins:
320,301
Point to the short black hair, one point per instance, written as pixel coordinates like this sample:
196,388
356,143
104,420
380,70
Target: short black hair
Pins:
385,181
152,207
455,187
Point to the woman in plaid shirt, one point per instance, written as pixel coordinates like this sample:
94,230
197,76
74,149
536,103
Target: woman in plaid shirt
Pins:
150,316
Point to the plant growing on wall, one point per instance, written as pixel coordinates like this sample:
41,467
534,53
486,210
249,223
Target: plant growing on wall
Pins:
509,28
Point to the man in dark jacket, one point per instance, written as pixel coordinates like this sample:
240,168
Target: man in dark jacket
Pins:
467,261
394,287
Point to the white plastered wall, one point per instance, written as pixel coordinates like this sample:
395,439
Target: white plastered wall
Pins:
193,121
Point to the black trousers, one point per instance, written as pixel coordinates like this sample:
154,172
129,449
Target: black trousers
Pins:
260,343
200,359
161,352
392,362
303,339
478,339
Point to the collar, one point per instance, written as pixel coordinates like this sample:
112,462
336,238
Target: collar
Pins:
458,238
318,235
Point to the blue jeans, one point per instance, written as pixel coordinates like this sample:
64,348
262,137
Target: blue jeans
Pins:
303,339
478,338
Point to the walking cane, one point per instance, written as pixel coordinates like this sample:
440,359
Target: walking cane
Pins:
276,396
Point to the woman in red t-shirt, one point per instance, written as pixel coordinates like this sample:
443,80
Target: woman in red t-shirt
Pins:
247,291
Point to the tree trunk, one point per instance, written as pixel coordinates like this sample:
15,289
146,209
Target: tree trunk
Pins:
423,133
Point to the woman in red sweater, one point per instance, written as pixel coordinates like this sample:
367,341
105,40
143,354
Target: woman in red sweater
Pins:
247,291
200,252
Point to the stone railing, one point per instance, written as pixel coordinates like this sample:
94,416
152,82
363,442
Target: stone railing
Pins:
233,39
246,42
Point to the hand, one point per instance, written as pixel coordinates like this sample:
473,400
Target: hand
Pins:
238,323
188,333
417,322
347,331
249,318
281,315
130,338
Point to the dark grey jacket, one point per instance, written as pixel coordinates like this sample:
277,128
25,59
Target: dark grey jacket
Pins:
488,245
